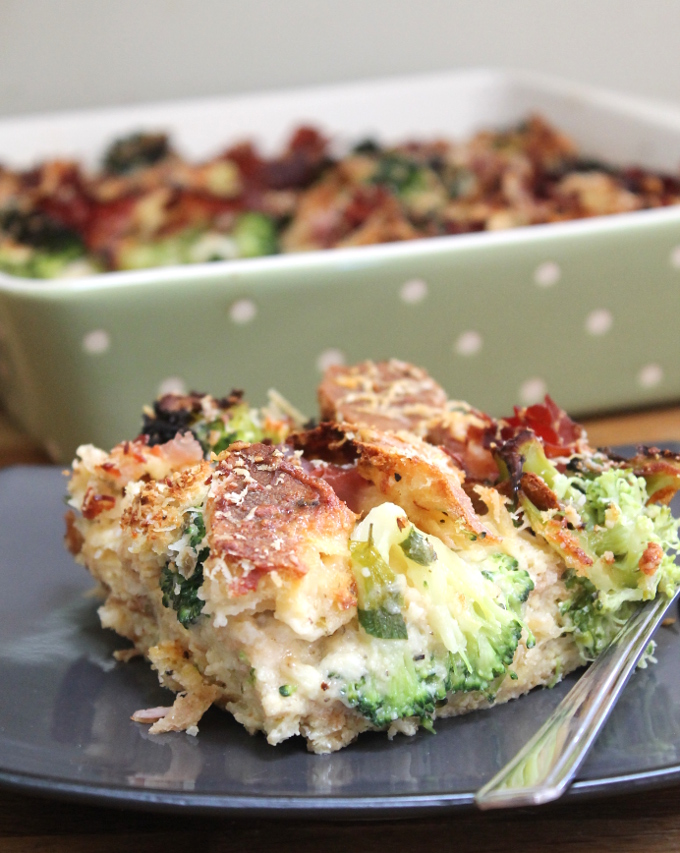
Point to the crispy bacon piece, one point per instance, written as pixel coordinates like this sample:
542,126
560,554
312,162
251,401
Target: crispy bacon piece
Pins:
538,492
134,460
346,482
250,164
510,456
94,504
150,715
560,435
365,202
651,558
374,216
107,224
196,696
266,513
303,161
331,442
464,436
59,190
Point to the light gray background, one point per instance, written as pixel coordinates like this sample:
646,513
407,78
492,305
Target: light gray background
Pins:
63,54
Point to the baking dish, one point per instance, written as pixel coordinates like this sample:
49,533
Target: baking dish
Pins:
585,310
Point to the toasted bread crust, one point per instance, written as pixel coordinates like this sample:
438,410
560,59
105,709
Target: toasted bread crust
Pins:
388,395
265,512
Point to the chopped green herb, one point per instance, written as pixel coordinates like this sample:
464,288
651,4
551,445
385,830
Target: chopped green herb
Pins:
418,548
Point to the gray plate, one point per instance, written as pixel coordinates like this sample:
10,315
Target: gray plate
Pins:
65,729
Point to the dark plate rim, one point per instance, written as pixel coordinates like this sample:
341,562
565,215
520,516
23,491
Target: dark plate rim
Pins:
313,806
331,807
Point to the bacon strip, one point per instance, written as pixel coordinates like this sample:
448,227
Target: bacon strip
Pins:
265,511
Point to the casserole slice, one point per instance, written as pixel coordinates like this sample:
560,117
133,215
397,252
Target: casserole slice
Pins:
407,559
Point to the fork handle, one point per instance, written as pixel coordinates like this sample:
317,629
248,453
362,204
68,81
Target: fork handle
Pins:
542,770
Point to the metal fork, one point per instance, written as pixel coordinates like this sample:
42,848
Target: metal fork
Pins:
543,769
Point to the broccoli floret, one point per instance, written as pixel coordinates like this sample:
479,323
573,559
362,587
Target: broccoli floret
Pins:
515,583
236,421
473,622
617,547
36,245
181,594
254,235
191,246
242,424
603,521
214,436
167,251
593,626
37,229
33,263
180,591
400,686
135,152
400,174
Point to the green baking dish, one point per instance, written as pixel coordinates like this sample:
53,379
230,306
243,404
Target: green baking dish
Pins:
587,311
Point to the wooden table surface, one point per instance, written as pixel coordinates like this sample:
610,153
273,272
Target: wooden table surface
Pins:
642,823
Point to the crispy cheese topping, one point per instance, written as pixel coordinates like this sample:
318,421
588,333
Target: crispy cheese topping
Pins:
265,511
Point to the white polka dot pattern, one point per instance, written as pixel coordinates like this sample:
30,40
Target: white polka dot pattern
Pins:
413,291
532,391
97,342
599,322
547,274
650,376
243,311
469,343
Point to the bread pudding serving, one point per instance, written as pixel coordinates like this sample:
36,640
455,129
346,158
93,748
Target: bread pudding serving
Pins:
404,559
